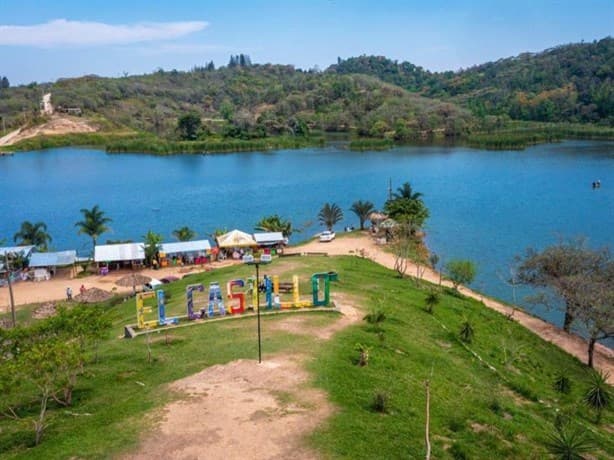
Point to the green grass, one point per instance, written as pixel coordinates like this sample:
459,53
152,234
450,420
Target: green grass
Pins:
514,407
520,135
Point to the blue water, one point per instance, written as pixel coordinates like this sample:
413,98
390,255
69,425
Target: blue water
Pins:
487,206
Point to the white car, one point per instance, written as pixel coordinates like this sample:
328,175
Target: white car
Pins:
327,236
152,285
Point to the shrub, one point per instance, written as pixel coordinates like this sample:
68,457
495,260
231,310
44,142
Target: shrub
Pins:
381,401
466,331
562,384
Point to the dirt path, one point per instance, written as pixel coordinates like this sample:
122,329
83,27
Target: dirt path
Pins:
26,292
58,124
246,410
572,344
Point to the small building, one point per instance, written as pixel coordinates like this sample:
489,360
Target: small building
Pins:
122,255
270,239
49,263
185,252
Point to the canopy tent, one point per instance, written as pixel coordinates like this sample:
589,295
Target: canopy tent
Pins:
269,238
52,259
185,247
235,239
119,252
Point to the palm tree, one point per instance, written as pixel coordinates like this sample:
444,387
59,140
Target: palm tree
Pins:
33,234
274,223
362,209
598,394
151,247
406,191
184,233
93,223
329,215
566,444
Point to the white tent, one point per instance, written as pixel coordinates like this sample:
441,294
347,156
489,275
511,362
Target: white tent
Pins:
236,239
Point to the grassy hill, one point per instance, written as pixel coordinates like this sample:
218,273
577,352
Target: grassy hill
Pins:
502,406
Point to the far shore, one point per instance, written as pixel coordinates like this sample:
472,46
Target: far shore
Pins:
358,244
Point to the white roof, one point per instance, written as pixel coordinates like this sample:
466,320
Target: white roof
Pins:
52,259
119,252
185,246
25,250
269,237
235,239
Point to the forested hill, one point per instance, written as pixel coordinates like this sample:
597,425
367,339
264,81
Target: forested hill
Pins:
567,83
245,101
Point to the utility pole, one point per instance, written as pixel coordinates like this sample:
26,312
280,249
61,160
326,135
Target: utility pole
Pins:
11,299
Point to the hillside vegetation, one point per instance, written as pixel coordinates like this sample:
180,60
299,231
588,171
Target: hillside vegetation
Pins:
505,406
571,83
366,96
245,103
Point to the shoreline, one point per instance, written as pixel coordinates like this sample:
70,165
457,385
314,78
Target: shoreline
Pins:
26,293
570,343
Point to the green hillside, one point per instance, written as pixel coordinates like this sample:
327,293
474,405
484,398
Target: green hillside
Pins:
250,102
570,83
501,405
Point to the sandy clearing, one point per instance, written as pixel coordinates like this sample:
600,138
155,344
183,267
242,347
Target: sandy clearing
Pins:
572,344
239,410
244,409
26,292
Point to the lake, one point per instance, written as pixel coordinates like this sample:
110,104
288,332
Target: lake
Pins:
487,206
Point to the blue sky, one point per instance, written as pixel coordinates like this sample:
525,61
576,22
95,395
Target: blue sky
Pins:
42,40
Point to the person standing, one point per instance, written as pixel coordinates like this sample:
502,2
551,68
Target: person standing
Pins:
68,293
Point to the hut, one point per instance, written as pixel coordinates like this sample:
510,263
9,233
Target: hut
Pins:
45,263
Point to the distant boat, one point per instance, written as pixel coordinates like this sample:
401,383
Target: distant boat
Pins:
597,184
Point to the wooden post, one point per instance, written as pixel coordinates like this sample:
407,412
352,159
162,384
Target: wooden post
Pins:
428,417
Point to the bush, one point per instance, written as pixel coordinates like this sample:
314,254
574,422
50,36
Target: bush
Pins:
381,401
562,384
461,272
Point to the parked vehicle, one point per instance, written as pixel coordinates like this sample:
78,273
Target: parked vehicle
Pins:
327,236
152,285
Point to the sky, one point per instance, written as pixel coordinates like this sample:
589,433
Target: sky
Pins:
43,40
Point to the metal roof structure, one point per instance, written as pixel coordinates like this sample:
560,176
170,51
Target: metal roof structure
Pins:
119,252
269,238
185,246
24,250
52,259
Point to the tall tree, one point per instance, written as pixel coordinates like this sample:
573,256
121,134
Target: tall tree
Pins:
94,223
406,191
33,234
406,205
184,233
329,215
362,209
274,223
189,126
557,269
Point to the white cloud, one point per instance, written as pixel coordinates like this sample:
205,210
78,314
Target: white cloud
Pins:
62,32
